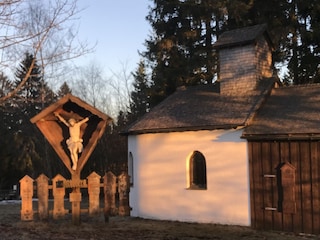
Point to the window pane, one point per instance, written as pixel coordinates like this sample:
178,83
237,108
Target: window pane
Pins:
130,168
198,171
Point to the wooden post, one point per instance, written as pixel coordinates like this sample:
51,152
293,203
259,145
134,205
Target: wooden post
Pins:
94,193
43,196
109,187
123,186
26,193
75,199
58,190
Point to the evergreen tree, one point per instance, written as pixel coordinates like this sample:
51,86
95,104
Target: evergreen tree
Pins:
5,84
139,104
294,29
180,51
302,42
24,150
5,109
32,89
64,90
35,95
18,158
117,150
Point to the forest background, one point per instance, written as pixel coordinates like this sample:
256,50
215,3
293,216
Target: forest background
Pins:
37,43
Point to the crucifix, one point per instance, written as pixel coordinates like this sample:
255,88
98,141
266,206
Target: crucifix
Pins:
74,142
85,125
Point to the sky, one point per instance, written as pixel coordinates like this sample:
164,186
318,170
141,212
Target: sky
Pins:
119,29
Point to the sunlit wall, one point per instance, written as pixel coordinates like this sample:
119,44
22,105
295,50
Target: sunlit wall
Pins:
159,169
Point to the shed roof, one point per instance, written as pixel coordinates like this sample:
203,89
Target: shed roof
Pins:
242,36
289,112
201,108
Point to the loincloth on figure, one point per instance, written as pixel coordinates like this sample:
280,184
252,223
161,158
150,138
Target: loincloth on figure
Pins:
75,144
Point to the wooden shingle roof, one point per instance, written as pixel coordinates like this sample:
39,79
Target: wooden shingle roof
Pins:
289,112
242,36
201,108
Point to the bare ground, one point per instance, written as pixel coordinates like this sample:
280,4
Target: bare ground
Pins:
11,228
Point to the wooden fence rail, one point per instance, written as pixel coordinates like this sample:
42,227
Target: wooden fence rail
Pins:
115,192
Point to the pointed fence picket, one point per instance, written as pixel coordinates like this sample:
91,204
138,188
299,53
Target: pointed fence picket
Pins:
115,190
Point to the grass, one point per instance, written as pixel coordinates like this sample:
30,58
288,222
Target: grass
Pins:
92,228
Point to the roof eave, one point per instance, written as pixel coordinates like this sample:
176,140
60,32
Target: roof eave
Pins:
282,136
65,99
233,44
181,129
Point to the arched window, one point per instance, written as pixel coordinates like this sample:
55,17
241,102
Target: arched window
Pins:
130,167
197,171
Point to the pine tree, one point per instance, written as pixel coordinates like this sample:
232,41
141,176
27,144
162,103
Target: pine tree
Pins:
35,94
31,91
5,113
5,84
180,51
140,94
64,90
294,29
302,41
25,148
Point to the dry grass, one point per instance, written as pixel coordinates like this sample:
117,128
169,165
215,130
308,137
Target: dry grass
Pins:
122,228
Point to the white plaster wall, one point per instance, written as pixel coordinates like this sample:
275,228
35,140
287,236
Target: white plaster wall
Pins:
160,189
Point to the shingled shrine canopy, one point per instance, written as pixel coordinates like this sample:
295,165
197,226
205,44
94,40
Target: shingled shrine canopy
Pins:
56,133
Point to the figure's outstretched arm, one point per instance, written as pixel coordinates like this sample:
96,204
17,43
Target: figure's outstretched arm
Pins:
61,118
84,120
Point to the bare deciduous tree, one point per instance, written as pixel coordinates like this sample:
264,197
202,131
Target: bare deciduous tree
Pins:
90,83
43,28
122,86
109,94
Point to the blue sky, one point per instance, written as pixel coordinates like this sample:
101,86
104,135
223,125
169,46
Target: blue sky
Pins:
118,27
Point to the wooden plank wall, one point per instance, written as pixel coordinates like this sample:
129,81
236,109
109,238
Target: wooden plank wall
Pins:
266,193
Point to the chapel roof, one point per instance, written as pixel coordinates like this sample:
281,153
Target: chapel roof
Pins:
288,112
202,108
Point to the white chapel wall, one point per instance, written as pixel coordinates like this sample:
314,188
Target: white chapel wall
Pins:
160,191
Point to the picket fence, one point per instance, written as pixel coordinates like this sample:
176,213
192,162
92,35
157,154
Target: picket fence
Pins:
115,195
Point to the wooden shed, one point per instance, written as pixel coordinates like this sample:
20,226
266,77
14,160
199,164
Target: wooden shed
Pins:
284,161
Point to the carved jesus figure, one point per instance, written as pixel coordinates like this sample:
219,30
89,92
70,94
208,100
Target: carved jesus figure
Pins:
74,142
